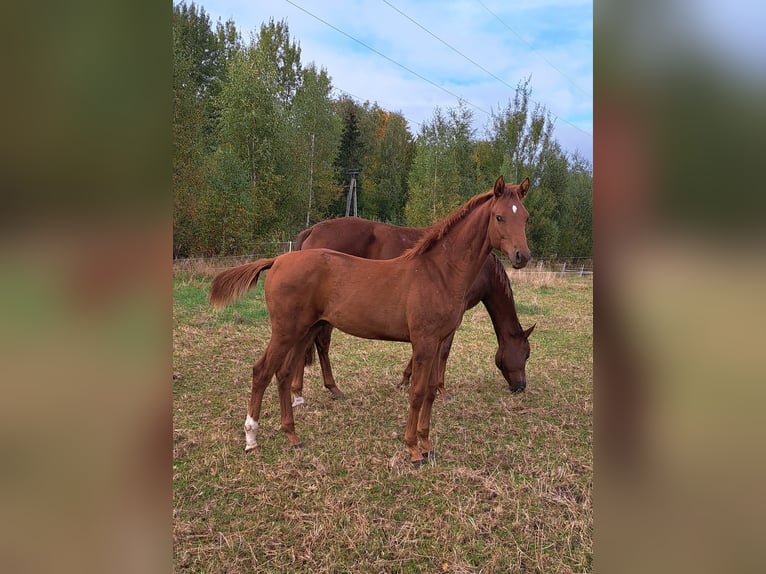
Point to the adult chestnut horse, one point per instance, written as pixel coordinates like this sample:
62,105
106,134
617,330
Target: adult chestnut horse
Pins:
417,297
374,240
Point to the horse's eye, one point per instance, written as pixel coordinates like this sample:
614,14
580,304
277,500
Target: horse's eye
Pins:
499,218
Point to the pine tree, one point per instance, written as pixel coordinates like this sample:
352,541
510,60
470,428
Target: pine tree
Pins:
349,155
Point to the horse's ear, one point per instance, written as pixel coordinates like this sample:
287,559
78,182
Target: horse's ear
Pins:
528,332
523,187
499,186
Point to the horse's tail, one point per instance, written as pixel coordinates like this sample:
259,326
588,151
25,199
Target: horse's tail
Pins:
233,283
301,237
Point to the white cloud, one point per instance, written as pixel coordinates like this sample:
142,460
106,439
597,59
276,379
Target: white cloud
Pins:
467,27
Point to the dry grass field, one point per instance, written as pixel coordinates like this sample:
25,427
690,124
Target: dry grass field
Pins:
510,489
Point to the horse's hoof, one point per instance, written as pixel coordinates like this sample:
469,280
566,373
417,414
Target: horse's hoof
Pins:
298,446
251,448
338,397
419,463
429,455
447,397
299,402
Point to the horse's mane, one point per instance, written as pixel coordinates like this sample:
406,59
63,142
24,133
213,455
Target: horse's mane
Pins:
441,228
300,238
501,275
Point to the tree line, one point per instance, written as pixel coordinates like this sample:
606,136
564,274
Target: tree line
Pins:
262,149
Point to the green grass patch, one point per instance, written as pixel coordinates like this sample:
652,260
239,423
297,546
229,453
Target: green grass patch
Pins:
190,297
510,490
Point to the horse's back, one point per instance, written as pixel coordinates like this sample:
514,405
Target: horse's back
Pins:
329,273
361,237
391,241
346,234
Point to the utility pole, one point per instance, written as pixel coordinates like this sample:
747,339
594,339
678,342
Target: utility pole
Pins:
311,178
351,191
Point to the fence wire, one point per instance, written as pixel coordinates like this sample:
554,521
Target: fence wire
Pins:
554,264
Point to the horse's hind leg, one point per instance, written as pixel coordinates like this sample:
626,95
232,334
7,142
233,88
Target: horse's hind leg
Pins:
262,374
323,350
263,371
287,374
296,386
285,403
322,342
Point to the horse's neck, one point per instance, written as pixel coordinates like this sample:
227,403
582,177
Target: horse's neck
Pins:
465,247
501,308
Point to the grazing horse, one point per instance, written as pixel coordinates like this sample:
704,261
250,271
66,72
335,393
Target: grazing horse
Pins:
417,297
374,240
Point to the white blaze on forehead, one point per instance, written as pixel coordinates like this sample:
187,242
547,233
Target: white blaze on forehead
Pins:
515,209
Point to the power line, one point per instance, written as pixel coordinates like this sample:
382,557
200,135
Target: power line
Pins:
446,44
482,67
382,55
547,61
458,97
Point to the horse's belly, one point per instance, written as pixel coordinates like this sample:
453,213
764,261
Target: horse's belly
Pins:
370,321
377,331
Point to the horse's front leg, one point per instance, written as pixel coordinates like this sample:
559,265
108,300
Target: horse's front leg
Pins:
424,420
441,367
423,363
406,376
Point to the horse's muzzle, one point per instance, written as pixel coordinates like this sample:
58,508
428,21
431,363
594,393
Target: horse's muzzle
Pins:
520,259
518,387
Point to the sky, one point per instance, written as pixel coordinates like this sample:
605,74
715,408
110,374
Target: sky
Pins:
414,56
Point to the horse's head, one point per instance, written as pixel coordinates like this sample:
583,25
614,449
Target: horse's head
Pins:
511,359
507,225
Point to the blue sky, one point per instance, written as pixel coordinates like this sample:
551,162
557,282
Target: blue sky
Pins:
500,42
